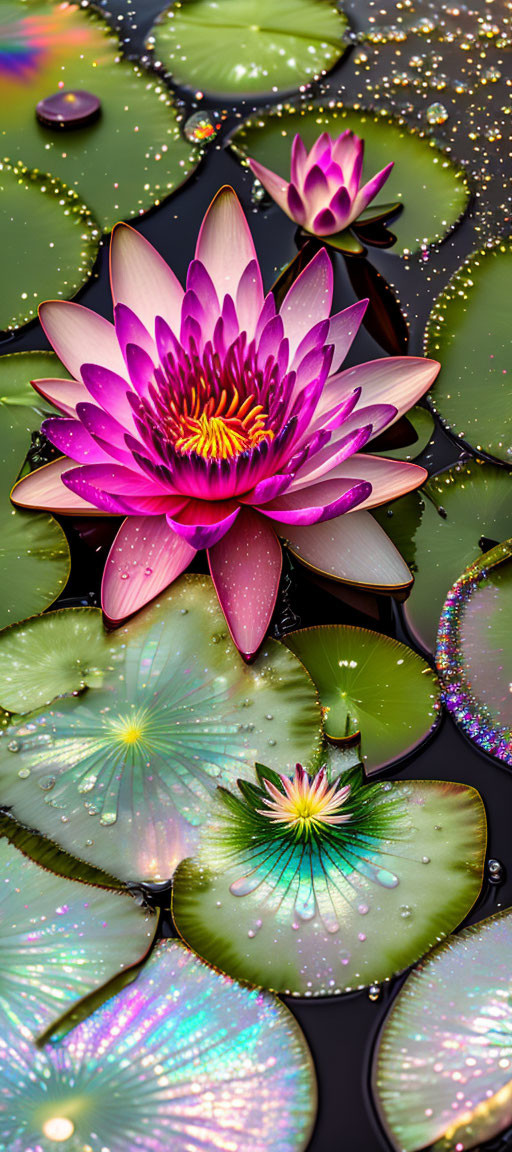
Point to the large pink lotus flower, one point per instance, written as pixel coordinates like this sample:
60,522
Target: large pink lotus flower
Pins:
207,419
324,195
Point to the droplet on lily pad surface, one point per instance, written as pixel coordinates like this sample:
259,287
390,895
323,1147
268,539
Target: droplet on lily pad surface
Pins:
53,655
34,556
363,679
68,109
181,1058
433,191
443,528
60,940
49,242
474,654
442,1075
248,47
469,332
127,159
137,760
318,885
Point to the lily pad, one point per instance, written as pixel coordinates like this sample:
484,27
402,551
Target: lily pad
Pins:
133,155
129,769
419,429
52,655
49,242
310,907
433,191
61,940
181,1054
34,554
443,1073
249,47
469,332
363,679
442,529
474,655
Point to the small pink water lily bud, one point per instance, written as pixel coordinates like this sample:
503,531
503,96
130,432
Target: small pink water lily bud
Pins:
324,195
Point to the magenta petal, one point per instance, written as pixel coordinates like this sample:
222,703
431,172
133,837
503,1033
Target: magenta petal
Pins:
225,245
267,489
296,207
141,368
316,187
129,330
74,479
324,223
308,300
343,328
107,432
341,205
145,557
203,523
120,481
63,394
141,279
73,440
369,191
298,160
109,390
329,457
249,299
319,502
246,568
323,143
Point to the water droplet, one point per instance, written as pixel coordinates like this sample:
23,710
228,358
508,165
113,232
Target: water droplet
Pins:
13,746
23,773
425,859
495,871
47,783
405,911
374,992
436,113
202,127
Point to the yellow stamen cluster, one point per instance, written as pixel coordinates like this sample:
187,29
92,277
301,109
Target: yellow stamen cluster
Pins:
305,804
220,430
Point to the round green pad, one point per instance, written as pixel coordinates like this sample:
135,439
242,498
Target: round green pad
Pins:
49,243
128,159
51,655
433,191
354,904
442,1071
122,776
370,684
438,532
34,554
469,332
61,940
181,1058
249,46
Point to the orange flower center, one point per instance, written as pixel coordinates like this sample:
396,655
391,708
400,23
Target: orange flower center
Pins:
217,430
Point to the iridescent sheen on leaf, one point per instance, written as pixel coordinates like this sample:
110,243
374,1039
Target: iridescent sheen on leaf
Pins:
182,1058
122,776
318,885
443,1068
60,940
474,652
363,679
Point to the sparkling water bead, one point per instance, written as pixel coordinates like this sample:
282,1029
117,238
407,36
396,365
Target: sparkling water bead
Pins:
202,127
436,114
68,109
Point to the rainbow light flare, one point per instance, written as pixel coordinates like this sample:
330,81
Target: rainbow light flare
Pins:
182,1058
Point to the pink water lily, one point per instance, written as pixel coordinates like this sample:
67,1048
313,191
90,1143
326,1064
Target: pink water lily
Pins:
208,419
324,195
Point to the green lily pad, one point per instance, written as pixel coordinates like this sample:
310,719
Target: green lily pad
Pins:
422,431
310,907
434,193
442,1070
122,776
180,1054
49,243
34,554
52,655
249,47
363,679
61,940
469,332
474,655
133,155
442,529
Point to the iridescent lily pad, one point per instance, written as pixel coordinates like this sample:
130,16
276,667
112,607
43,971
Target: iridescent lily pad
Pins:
49,242
442,529
61,940
443,1069
182,1058
363,679
130,768
320,885
469,332
249,46
132,155
34,554
53,655
474,654
433,191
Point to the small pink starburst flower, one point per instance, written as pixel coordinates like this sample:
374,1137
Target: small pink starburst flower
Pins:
324,195
306,803
208,418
